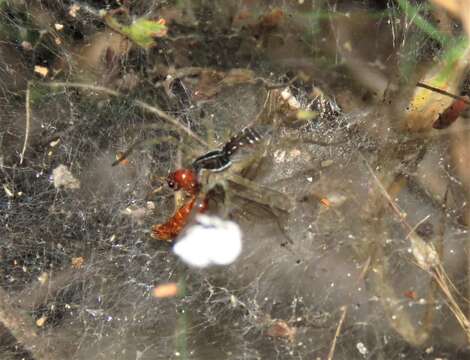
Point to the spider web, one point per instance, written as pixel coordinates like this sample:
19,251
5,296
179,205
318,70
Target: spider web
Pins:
78,266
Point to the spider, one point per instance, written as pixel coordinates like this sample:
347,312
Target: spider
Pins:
195,180
219,160
188,180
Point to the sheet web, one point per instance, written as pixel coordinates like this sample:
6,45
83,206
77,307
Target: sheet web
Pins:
332,275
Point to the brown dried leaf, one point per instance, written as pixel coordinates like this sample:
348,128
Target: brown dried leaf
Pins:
279,328
77,262
41,321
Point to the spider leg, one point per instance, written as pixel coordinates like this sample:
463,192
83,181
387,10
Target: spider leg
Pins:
262,195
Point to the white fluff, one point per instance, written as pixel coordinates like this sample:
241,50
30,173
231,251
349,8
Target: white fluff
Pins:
62,177
211,241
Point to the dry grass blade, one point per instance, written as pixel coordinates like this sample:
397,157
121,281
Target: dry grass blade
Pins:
427,258
344,310
28,121
441,278
143,105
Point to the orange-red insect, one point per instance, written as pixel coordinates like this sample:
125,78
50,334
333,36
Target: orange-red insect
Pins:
451,114
184,179
175,224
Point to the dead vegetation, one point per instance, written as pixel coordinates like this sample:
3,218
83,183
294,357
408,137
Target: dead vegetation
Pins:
353,207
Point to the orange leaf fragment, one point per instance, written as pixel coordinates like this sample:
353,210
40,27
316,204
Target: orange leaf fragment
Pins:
281,329
271,19
77,262
411,294
165,290
121,159
325,202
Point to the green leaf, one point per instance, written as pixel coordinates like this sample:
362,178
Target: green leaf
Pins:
306,115
142,31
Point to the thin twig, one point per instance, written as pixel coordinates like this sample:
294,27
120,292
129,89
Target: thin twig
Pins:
28,121
272,86
443,92
422,221
387,196
440,277
365,269
125,154
176,74
143,105
155,110
344,310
